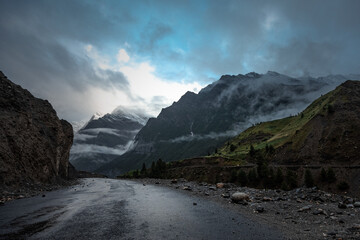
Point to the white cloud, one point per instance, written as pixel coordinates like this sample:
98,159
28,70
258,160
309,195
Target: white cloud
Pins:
122,56
144,85
91,149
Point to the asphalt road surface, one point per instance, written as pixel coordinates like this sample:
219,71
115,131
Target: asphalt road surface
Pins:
119,209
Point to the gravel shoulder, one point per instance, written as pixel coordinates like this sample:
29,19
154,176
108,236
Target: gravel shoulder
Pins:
302,213
9,193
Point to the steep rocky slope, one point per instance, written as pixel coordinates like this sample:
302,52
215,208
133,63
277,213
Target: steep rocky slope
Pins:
326,132
199,123
104,138
34,143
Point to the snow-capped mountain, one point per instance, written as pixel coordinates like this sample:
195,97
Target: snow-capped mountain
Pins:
105,137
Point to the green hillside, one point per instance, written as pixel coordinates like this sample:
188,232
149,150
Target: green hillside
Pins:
279,132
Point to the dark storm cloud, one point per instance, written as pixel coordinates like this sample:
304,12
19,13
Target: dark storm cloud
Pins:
34,51
302,37
183,40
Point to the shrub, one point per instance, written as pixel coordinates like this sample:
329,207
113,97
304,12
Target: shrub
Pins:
343,186
252,176
309,181
243,180
291,179
135,174
285,187
232,147
279,178
323,175
233,176
330,176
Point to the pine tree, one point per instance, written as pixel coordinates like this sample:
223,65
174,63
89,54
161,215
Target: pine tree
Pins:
143,170
252,177
291,179
309,181
233,176
330,175
279,178
243,180
323,175
152,170
252,151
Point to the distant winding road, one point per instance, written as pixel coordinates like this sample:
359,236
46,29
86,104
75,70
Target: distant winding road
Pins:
118,209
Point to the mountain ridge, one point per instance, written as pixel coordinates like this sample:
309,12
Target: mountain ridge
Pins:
105,137
219,111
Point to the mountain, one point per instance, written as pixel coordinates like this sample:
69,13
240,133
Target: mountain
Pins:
105,137
34,142
199,123
326,132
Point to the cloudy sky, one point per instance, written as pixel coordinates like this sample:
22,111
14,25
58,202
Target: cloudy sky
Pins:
92,56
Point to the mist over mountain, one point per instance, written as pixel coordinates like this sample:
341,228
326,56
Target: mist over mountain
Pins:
105,137
198,123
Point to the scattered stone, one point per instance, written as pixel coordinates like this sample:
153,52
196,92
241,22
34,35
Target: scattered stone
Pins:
194,203
212,188
304,209
267,199
206,194
240,197
187,188
43,195
320,211
174,181
259,209
225,195
220,185
342,205
357,204
157,182
349,205
144,184
354,228
331,233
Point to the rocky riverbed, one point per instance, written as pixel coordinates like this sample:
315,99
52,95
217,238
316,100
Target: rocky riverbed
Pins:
302,213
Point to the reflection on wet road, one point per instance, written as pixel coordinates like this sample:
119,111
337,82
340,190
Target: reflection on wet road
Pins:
118,209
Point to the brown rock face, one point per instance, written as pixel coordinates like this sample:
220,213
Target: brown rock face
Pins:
34,143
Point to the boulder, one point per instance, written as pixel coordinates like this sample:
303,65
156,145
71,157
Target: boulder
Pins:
238,197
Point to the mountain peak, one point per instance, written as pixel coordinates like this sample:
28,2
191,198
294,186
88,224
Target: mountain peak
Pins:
253,75
272,73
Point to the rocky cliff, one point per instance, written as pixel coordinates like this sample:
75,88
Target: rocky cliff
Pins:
34,142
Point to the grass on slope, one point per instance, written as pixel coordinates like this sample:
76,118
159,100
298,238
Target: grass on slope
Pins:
277,132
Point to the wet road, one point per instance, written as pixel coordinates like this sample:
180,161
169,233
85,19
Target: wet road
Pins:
118,209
